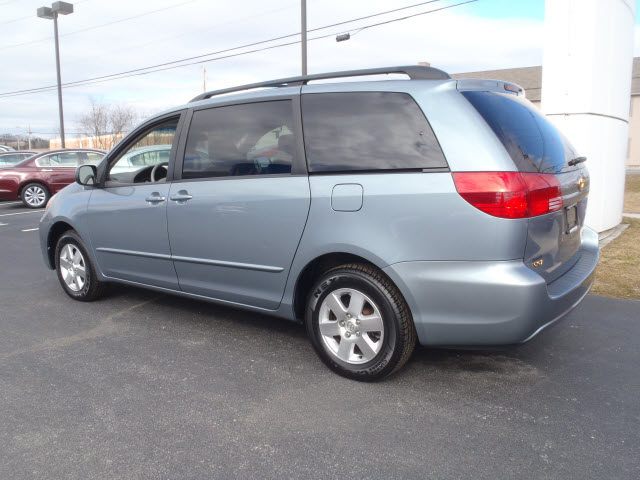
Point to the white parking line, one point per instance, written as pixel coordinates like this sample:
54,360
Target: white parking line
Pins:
9,203
29,230
3,224
19,213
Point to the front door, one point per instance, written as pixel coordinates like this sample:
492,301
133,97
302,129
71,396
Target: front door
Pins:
128,215
59,169
237,214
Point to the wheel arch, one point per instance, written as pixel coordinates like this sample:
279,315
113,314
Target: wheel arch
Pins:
56,231
316,267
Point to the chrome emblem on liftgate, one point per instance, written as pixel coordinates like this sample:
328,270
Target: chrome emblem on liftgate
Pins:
581,183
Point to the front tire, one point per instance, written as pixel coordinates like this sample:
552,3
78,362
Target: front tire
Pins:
35,195
75,270
359,323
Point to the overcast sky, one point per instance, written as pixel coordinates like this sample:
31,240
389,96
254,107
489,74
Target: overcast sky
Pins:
102,38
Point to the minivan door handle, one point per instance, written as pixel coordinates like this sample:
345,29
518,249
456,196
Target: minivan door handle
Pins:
154,198
181,197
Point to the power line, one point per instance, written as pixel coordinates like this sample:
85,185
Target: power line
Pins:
140,71
131,74
257,14
82,30
222,51
16,20
191,1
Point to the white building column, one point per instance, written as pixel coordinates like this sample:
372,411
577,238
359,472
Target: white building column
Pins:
586,88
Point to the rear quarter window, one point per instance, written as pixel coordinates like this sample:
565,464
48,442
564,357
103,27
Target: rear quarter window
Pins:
533,143
367,131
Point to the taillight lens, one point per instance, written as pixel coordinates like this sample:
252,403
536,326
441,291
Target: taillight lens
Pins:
510,194
545,193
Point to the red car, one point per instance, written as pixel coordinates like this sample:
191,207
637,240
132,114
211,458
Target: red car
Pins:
37,178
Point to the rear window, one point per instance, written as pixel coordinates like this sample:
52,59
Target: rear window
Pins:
367,131
12,159
532,142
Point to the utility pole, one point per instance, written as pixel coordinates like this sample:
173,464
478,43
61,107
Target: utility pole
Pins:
29,136
303,21
204,79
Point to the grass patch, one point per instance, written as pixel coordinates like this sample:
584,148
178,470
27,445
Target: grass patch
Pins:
632,194
618,273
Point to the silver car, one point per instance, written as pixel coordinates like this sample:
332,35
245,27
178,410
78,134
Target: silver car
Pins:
139,158
379,213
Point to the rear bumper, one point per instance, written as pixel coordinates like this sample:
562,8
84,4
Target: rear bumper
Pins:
490,303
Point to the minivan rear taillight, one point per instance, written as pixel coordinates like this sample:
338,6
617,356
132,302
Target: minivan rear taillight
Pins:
510,194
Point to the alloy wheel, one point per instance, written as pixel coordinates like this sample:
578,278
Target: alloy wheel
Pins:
34,196
73,267
351,326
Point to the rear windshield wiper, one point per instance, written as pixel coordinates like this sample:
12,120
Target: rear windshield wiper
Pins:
576,161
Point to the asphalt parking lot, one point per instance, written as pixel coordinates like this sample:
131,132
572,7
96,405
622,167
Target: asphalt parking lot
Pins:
143,385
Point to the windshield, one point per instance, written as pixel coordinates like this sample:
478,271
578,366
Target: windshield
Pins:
533,143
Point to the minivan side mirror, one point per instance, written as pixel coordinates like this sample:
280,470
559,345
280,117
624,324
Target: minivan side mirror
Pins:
86,174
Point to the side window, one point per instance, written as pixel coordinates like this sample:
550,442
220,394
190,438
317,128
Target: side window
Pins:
133,165
156,156
137,160
367,131
67,159
91,157
241,140
63,159
44,161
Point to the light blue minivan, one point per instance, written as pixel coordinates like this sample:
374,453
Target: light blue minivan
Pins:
379,213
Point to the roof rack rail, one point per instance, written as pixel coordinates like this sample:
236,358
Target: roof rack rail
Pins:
414,72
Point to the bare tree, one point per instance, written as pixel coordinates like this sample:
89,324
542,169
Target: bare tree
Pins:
122,119
105,123
95,123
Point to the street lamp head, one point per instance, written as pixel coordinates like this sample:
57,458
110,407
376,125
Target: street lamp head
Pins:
63,8
45,12
344,37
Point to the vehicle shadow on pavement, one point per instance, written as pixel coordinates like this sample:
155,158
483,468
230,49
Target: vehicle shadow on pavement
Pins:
551,354
193,311
212,320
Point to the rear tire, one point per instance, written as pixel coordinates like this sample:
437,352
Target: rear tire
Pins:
359,323
35,195
75,270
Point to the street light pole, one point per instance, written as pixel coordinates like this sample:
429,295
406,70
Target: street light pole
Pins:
303,21
62,8
55,34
